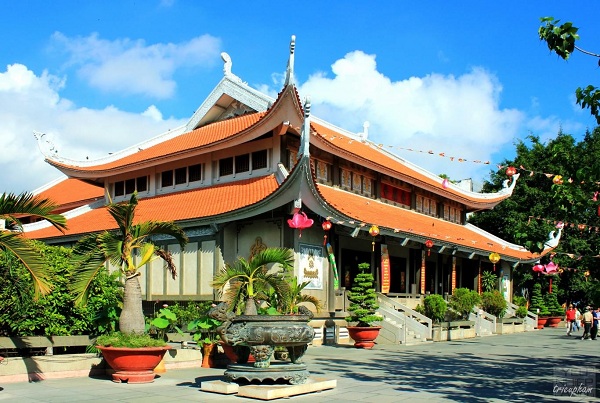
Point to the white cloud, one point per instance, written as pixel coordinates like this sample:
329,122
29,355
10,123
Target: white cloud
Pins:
134,67
456,115
31,103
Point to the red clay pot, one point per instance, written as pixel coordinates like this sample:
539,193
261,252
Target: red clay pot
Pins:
541,322
364,337
553,321
133,365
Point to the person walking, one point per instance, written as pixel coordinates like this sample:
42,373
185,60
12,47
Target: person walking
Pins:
576,323
587,319
570,319
594,330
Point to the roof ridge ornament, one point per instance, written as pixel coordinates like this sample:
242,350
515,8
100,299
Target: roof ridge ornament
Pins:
305,132
289,74
226,63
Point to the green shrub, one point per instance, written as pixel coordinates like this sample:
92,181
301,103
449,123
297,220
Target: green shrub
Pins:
521,312
519,300
435,307
130,340
363,299
463,300
489,281
493,302
54,314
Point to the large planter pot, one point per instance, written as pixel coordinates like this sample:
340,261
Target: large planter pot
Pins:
364,337
542,322
553,321
208,355
133,365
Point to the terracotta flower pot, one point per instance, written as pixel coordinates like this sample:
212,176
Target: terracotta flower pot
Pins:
133,365
364,337
553,321
208,355
542,322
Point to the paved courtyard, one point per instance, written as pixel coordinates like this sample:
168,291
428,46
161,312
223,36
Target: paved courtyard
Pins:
523,367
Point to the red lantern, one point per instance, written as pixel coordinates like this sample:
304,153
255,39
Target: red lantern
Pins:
539,268
373,231
326,227
429,245
300,221
510,171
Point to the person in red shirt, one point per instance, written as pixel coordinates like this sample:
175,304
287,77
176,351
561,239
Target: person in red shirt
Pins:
570,319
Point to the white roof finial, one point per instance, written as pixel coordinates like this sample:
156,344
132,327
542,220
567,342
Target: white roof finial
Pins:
365,132
227,63
289,75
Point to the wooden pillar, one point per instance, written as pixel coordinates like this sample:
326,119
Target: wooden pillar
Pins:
423,258
453,285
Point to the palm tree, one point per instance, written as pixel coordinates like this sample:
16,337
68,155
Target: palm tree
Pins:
296,297
12,209
93,251
247,279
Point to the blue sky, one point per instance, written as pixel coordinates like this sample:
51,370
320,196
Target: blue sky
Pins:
466,79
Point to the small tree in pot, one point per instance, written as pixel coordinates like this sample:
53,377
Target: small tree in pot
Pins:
362,309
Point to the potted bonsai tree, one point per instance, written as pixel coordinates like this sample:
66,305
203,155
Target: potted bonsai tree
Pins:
362,309
539,306
131,353
556,311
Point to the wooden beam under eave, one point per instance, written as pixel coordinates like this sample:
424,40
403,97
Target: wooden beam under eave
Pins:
281,129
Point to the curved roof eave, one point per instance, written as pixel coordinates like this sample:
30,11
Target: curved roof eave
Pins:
334,137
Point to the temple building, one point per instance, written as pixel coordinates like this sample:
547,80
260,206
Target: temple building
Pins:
248,172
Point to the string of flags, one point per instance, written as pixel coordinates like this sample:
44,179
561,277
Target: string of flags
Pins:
566,224
557,178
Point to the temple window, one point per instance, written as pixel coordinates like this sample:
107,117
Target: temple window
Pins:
259,159
396,195
181,176
226,166
128,186
452,213
242,163
166,178
195,172
323,169
426,205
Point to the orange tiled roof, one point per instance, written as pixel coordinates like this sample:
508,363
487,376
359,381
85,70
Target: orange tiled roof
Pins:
384,215
192,204
197,138
365,151
71,191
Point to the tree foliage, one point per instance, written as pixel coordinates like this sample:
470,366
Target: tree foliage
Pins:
541,200
561,40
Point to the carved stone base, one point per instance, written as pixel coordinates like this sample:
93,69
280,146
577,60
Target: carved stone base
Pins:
294,374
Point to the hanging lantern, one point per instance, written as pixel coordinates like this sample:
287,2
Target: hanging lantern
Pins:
539,268
428,245
445,183
300,221
510,171
373,231
494,258
326,227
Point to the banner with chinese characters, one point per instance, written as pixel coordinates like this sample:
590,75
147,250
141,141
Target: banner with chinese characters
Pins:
385,269
311,266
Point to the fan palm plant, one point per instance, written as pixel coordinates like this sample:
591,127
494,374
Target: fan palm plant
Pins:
290,303
118,248
12,209
247,279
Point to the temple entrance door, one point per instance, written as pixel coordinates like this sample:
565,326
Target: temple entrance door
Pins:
430,277
350,260
398,280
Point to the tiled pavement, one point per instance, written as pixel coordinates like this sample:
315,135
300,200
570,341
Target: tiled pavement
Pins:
523,367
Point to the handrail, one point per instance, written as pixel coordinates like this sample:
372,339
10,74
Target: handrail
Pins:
415,321
485,323
530,319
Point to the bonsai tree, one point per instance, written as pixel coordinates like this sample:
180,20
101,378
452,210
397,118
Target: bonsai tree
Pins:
552,304
537,301
248,280
435,307
12,209
119,247
463,300
363,299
